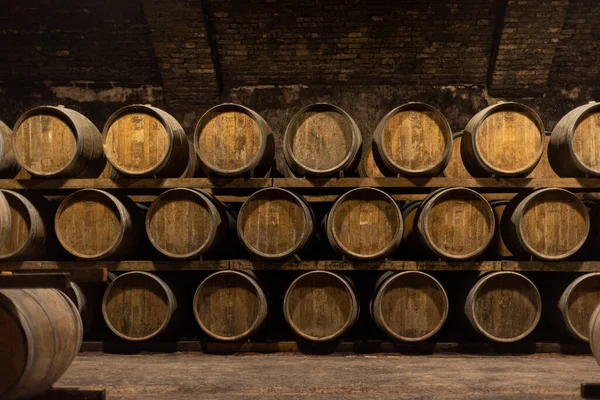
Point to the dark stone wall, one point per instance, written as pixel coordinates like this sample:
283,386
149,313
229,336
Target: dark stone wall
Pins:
357,42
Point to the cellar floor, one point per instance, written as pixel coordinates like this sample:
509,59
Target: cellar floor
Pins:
184,376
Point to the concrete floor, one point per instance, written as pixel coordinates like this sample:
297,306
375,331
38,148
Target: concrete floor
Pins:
183,376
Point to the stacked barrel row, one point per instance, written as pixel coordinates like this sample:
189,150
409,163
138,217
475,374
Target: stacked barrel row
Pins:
322,306
275,223
230,140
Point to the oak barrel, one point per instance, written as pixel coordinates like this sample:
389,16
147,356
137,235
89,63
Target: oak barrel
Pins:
145,141
364,223
455,223
275,223
497,248
410,237
456,167
577,303
76,295
93,224
321,140
186,223
233,140
414,139
594,333
31,224
573,148
320,306
138,306
504,139
409,306
371,166
550,224
5,219
193,168
504,306
9,167
52,142
544,169
41,335
230,305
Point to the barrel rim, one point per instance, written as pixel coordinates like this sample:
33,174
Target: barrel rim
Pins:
259,318
62,114
352,315
24,324
5,134
348,159
586,110
424,233
486,112
308,226
171,305
565,299
203,248
260,121
391,164
378,298
332,234
121,215
33,221
591,328
519,228
475,289
142,109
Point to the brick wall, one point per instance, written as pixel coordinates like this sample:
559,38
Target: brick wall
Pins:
530,34
359,42
577,60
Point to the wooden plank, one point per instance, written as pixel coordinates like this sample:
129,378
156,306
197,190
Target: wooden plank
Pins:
504,184
89,271
80,269
556,266
166,183
72,394
349,265
32,280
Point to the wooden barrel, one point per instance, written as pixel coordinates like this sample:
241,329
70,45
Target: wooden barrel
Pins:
578,302
321,140
58,142
573,149
371,166
544,170
364,223
5,219
145,141
30,226
550,224
186,223
9,167
410,237
230,305
41,335
93,224
233,140
504,306
594,333
505,139
497,248
76,295
414,139
409,306
456,223
193,168
138,306
320,306
275,223
456,167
